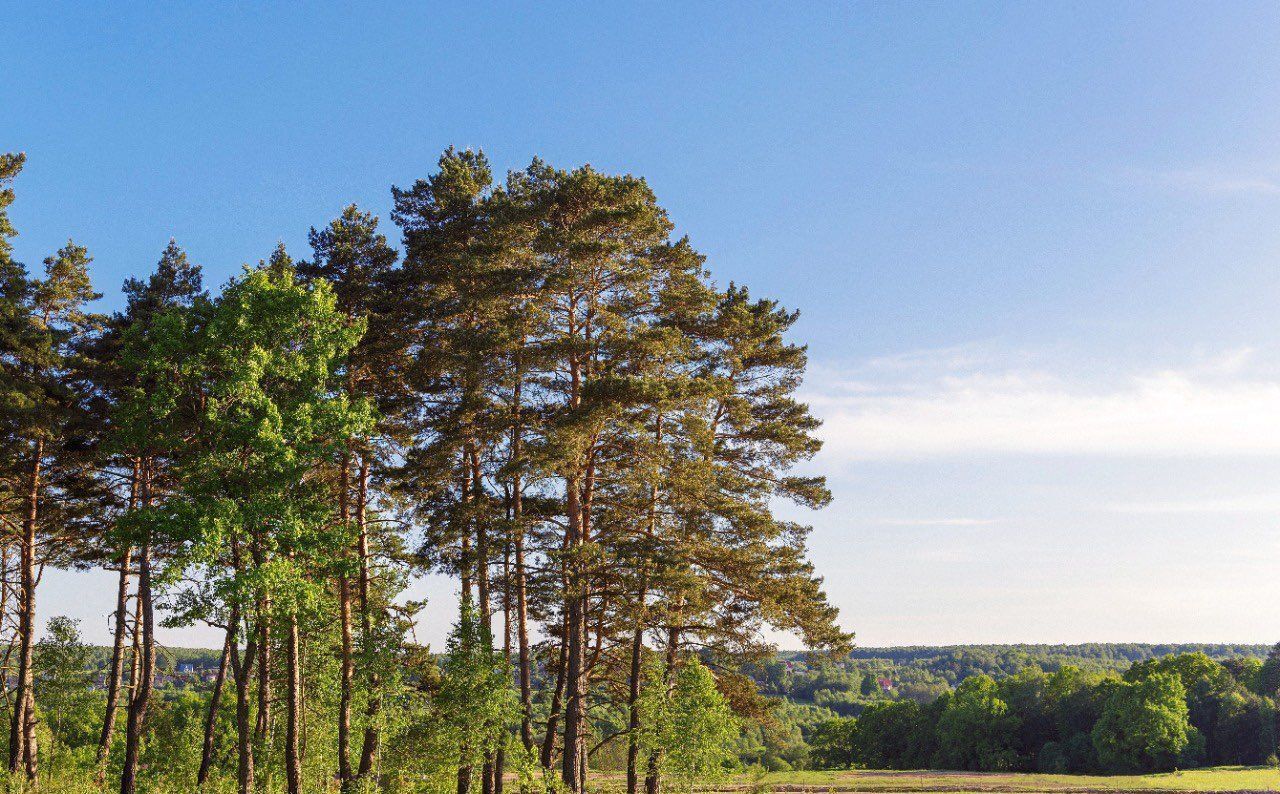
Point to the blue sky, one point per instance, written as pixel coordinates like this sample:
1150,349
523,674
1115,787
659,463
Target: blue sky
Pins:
1034,246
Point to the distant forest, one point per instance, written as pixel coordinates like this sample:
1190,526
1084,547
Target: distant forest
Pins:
1096,707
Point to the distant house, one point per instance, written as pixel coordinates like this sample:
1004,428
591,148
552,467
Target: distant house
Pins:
886,684
187,667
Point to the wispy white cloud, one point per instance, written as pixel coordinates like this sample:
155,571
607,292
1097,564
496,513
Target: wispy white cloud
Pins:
937,522
950,406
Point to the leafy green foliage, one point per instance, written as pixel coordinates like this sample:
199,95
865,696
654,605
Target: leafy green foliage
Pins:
688,721
467,713
63,687
1178,710
1144,726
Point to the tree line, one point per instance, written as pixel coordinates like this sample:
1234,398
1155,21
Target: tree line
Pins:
843,686
540,392
1176,711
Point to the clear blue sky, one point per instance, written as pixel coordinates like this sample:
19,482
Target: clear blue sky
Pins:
1035,246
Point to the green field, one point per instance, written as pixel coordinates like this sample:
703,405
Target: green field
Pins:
1216,779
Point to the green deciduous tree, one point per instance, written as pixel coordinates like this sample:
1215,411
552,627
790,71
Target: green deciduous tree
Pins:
353,257
250,516
976,730
1144,726
63,686
687,723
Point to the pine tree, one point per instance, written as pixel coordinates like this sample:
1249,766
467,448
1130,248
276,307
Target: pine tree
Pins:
464,291
598,241
140,401
48,439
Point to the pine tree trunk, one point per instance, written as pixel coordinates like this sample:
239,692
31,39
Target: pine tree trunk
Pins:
637,641
576,627
485,602
347,671
485,597
19,727
557,698
135,646
29,749
467,567
141,699
292,759
500,757
116,671
521,583
466,564
6,552
633,706
522,641
373,711
211,717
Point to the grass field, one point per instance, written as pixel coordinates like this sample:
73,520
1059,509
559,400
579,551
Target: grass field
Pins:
1216,779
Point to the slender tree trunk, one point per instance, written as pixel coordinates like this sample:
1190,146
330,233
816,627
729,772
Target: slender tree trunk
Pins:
373,711
292,759
262,727
118,643
135,646
522,640
485,601
467,569
29,747
6,549
557,697
483,593
211,717
242,669
521,582
302,704
136,721
116,671
466,564
637,640
575,711
141,699
347,672
633,702
19,731
500,758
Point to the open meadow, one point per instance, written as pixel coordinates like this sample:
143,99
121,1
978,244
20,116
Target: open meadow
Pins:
1227,778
